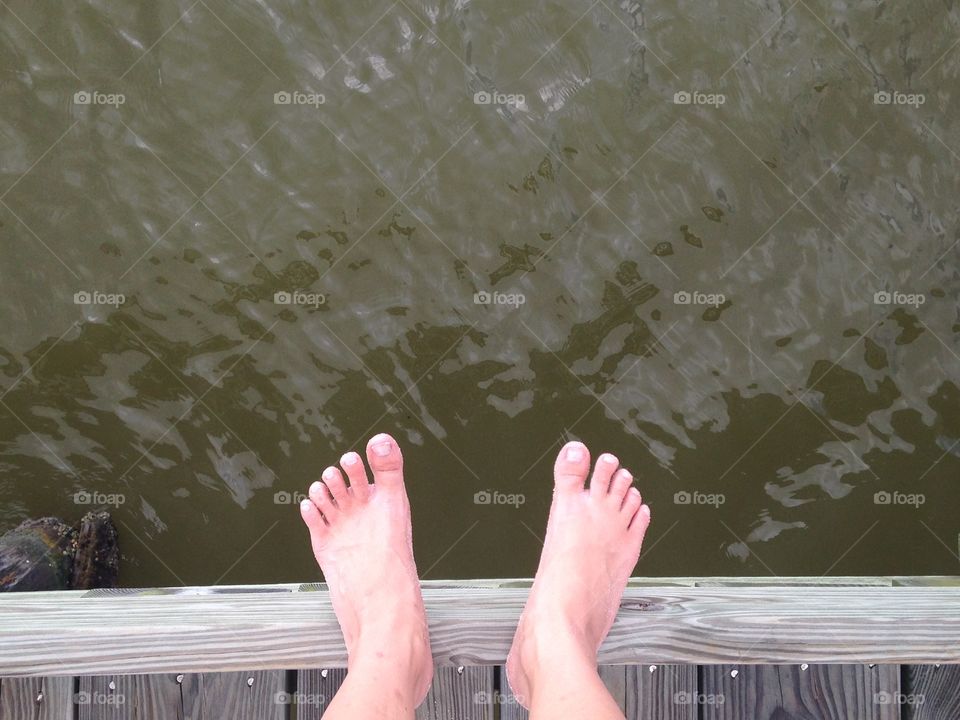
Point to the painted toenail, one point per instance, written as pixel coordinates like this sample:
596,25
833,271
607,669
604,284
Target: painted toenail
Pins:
574,453
382,449
350,459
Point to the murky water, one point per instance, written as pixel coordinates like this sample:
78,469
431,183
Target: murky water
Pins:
485,276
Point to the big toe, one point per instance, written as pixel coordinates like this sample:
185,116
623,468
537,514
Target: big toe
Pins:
386,461
570,469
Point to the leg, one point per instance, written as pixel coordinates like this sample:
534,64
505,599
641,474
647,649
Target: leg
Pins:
362,538
592,545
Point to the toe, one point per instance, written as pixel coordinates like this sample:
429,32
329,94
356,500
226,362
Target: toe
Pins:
353,466
602,472
639,524
571,467
631,504
386,461
620,485
337,486
321,497
314,521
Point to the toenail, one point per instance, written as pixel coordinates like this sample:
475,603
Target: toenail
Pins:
382,449
349,459
305,505
328,474
316,487
574,453
609,459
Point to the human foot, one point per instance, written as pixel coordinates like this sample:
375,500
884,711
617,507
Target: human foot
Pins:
362,539
592,545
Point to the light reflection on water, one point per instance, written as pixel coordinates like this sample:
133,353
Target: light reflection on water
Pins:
207,404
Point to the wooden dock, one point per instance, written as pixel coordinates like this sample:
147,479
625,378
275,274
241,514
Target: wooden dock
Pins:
690,648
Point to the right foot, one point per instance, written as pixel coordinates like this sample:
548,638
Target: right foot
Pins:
362,539
591,547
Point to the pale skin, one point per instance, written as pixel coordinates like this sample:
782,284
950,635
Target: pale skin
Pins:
361,535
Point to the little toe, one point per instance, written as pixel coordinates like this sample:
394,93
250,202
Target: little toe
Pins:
314,521
639,524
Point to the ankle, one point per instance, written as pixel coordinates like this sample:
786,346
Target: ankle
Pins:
400,652
548,659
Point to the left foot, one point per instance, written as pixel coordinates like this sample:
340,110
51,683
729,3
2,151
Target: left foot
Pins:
362,539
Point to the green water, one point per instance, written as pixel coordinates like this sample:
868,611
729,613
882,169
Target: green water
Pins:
198,404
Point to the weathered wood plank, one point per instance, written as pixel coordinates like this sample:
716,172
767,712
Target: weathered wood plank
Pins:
257,695
48,698
182,696
53,633
315,690
117,697
667,692
931,692
464,693
821,692
613,676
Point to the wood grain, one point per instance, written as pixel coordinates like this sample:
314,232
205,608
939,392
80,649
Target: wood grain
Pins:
182,696
49,698
117,697
778,692
461,693
67,633
315,691
614,678
668,692
232,695
931,693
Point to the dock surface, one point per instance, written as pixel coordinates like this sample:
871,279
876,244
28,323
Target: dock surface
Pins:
682,648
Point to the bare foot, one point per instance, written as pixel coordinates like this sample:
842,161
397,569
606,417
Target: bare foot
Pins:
591,547
362,538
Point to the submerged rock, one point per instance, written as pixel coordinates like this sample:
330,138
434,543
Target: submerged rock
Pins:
48,554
